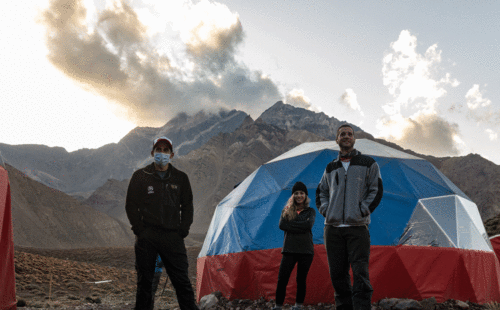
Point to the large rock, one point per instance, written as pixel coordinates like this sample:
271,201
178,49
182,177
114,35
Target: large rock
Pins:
399,304
209,302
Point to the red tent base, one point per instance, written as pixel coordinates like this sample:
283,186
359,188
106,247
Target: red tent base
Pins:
7,275
395,272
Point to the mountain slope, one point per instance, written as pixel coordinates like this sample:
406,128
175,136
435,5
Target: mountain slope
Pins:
47,218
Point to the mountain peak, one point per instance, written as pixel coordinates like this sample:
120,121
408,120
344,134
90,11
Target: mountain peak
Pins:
289,117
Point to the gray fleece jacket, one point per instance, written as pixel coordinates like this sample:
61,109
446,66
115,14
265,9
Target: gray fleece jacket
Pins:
349,198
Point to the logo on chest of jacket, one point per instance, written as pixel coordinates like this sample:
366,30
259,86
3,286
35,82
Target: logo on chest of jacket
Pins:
150,190
173,186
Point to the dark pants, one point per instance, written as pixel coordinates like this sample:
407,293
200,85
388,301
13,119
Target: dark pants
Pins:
349,247
288,262
170,246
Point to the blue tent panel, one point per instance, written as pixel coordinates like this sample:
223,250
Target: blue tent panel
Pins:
390,218
433,174
394,178
262,185
234,197
238,230
422,185
286,171
312,173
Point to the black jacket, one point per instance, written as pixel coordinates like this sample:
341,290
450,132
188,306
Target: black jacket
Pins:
165,203
298,234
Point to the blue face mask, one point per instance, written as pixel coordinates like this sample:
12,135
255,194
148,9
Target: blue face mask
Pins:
162,159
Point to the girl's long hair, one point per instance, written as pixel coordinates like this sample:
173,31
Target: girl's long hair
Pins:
290,210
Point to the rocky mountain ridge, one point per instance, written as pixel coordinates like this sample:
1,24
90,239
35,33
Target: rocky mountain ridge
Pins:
84,170
288,117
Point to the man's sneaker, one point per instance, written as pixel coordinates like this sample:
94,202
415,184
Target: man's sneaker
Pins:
297,307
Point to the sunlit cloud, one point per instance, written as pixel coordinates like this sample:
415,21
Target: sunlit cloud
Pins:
297,98
211,33
480,109
409,76
475,98
350,99
118,61
492,134
412,79
425,133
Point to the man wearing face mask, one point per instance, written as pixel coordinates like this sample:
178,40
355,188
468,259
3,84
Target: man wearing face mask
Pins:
159,207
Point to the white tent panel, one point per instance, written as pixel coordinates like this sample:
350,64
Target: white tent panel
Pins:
442,210
423,229
473,213
365,146
469,236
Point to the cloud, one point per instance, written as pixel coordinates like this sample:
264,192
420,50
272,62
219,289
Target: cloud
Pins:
480,109
211,34
491,134
413,80
350,99
475,98
409,76
116,59
297,98
427,134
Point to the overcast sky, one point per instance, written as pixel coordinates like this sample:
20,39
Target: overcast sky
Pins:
423,74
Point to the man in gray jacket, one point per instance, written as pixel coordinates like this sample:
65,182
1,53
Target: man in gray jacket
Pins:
349,191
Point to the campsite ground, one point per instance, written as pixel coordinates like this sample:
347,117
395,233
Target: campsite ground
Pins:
66,279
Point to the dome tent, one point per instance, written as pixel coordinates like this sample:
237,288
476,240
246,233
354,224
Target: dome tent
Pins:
427,236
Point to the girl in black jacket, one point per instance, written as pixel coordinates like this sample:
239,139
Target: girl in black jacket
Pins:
297,220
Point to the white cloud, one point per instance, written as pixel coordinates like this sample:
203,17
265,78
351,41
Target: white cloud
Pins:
491,134
409,78
202,20
297,98
350,99
475,98
412,118
480,109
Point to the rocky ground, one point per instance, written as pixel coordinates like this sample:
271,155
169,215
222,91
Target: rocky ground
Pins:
215,301
105,279
98,278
